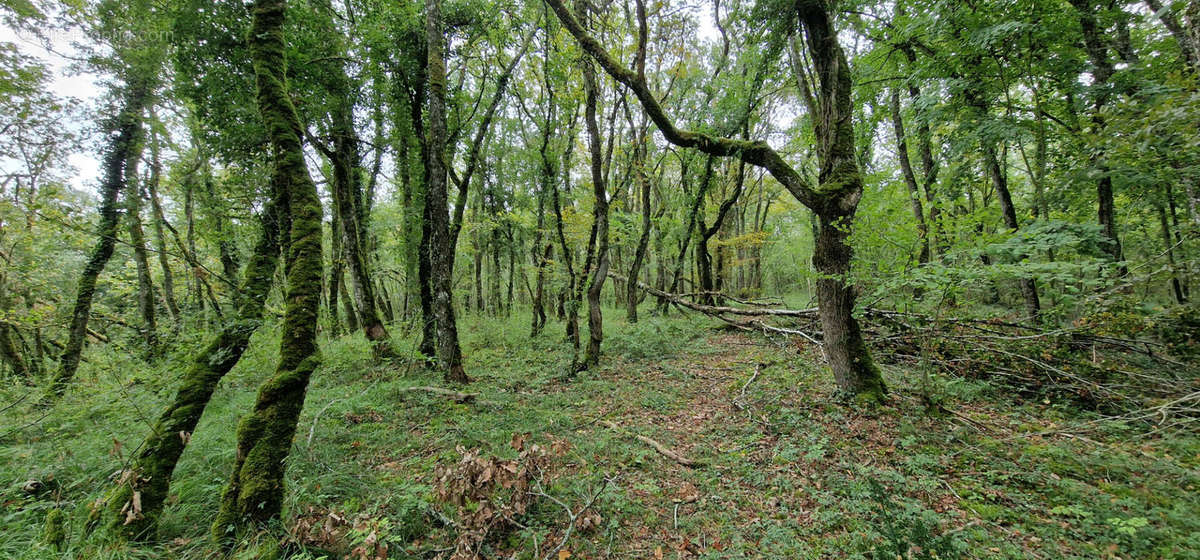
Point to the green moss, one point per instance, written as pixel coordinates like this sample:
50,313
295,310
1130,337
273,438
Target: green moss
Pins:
55,532
254,494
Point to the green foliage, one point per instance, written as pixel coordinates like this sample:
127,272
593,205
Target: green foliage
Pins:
909,533
1179,328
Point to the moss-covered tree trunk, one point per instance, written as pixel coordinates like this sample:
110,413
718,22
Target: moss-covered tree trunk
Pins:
441,240
254,494
9,353
350,204
148,476
347,199
125,133
834,200
839,191
334,284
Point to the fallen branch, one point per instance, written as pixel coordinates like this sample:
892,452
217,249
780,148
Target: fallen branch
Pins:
456,396
742,397
716,309
662,449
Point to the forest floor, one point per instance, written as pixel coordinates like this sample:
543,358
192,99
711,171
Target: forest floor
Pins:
783,470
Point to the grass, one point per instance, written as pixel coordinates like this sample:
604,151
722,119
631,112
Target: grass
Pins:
790,473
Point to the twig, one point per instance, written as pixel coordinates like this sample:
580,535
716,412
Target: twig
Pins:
574,516
742,396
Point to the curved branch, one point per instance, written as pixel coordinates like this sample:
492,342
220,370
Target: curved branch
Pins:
756,152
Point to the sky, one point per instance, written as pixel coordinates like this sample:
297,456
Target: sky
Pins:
64,84
86,88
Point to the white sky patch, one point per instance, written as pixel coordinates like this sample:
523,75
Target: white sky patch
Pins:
65,84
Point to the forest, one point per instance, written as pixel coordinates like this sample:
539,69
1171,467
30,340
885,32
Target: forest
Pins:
551,279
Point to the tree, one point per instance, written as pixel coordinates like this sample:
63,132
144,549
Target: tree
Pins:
254,494
441,240
834,200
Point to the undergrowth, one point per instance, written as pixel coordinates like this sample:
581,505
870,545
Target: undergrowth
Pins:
790,473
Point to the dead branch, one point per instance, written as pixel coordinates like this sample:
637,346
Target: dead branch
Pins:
456,396
572,515
662,449
742,396
716,309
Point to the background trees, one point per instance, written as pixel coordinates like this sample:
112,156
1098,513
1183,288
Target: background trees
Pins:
1028,162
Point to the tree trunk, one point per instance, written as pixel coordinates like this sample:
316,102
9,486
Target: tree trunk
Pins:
429,334
693,218
910,178
632,293
218,211
347,202
441,241
497,273
1169,245
480,247
254,494
195,290
148,329
540,258
1189,45
160,240
853,369
126,134
1029,292
1103,69
599,214
512,270
148,476
334,284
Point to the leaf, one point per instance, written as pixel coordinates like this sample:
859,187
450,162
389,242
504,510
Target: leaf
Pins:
564,554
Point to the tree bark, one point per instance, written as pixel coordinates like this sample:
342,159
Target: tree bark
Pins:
125,134
599,213
441,241
910,178
160,239
1169,246
347,188
1029,292
148,476
254,495
1102,71
148,329
1189,46
632,293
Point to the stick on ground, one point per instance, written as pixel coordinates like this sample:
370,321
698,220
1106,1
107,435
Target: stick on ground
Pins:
664,450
